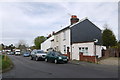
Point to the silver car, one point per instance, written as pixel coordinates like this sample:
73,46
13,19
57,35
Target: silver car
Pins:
38,55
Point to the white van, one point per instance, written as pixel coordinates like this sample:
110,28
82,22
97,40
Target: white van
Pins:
17,52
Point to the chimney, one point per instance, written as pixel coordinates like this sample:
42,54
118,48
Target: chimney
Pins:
74,19
53,32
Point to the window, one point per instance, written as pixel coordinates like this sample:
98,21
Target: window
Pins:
64,35
57,48
56,38
84,50
64,48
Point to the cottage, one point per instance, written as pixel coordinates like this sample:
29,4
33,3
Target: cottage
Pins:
81,36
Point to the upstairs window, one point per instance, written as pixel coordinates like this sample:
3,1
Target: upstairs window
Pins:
64,35
57,48
56,38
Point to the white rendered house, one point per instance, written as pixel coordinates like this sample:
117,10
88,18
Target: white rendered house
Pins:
76,38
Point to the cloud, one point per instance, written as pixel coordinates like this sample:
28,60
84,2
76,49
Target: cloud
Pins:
27,20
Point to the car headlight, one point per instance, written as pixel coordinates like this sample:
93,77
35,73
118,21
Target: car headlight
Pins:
67,58
60,57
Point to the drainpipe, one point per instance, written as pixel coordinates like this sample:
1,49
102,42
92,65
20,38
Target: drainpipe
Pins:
71,53
95,41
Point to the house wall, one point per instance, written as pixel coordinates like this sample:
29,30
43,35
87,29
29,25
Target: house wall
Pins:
47,44
79,35
99,51
60,41
91,49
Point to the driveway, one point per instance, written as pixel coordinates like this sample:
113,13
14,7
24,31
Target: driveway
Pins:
110,61
26,68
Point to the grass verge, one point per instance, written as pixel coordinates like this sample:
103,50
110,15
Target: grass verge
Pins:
5,64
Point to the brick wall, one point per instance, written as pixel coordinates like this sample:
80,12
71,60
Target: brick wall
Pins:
68,55
87,58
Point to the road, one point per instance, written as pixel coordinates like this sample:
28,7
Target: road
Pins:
26,68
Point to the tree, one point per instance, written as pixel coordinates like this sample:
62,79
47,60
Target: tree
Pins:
11,47
1,46
38,40
108,38
22,45
32,47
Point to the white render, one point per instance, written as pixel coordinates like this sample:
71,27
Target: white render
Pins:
47,44
59,42
91,49
99,51
61,39
75,49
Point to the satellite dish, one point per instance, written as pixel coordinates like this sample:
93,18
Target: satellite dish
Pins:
95,40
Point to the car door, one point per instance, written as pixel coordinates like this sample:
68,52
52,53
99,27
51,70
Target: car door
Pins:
33,54
48,56
52,56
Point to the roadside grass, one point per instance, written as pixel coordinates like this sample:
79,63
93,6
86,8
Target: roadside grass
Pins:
0,62
5,64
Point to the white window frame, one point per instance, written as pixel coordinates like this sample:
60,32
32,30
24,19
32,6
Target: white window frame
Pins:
64,48
84,50
64,35
56,38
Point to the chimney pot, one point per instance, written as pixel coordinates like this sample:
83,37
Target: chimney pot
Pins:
74,19
73,16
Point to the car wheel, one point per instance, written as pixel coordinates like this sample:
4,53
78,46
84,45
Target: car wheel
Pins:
46,60
36,58
31,58
56,61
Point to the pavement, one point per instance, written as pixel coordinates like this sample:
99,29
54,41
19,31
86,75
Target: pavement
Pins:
110,61
26,68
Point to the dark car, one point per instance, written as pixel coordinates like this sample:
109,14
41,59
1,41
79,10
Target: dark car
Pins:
56,57
26,54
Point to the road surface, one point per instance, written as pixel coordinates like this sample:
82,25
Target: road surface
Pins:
26,68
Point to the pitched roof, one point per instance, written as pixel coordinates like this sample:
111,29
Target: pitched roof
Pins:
62,29
71,25
78,21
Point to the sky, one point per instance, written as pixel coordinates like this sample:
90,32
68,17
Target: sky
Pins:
27,20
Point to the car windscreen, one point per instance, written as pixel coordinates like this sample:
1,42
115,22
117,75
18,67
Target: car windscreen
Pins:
17,51
57,54
27,53
40,52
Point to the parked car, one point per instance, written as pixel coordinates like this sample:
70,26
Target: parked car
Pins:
17,52
26,54
56,57
38,55
8,52
12,53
